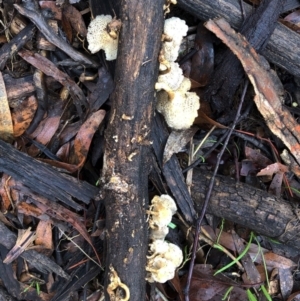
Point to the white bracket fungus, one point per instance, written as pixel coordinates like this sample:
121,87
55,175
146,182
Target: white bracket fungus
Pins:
165,257
99,38
179,107
161,211
175,29
172,79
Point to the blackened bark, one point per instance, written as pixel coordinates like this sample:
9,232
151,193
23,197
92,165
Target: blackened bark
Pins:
125,170
228,75
283,48
248,206
44,179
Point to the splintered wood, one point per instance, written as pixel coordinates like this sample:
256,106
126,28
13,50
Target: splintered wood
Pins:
267,86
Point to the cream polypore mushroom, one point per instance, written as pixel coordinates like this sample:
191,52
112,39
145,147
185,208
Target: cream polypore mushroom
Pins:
163,262
160,216
158,247
172,79
179,107
98,38
175,29
160,270
161,211
158,233
166,201
173,254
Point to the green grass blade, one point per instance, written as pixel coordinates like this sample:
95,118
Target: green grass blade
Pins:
238,258
251,296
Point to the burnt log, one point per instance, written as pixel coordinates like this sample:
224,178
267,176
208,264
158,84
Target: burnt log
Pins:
127,150
248,206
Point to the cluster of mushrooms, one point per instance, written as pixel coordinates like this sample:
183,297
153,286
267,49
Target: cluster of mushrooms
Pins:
165,257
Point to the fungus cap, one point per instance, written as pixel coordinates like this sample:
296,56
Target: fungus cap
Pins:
160,270
158,246
158,233
166,201
173,78
176,29
160,215
98,37
174,254
181,111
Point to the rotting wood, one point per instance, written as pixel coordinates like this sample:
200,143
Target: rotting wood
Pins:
248,206
267,86
5,296
128,140
283,48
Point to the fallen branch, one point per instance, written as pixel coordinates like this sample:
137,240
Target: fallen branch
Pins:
127,148
245,205
267,86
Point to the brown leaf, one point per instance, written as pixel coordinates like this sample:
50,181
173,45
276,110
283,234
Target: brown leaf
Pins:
268,88
273,168
44,133
57,212
75,19
257,157
293,17
206,286
47,67
177,286
84,137
44,235
274,260
286,282
55,9
6,125
294,297
202,118
275,186
176,141
66,25
23,114
251,275
247,168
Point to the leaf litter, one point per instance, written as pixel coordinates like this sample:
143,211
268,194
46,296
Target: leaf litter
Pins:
63,138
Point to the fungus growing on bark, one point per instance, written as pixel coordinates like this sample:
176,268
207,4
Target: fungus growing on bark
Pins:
175,29
179,107
165,258
160,270
173,78
161,211
98,38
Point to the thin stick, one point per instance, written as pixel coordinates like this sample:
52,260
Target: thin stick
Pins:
211,183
